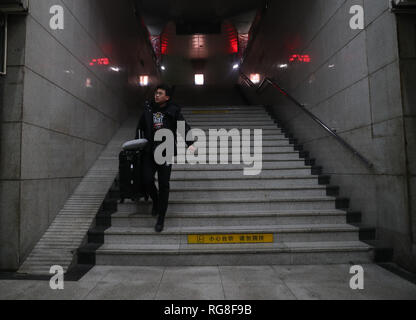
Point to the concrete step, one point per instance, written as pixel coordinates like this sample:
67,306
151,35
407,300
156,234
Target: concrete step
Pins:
249,181
249,119
215,205
269,129
222,111
265,143
250,151
268,146
237,193
275,156
41,269
231,122
58,260
281,233
229,218
229,118
232,174
243,149
221,107
225,156
226,114
251,137
234,124
265,132
224,108
286,253
248,187
229,126
266,165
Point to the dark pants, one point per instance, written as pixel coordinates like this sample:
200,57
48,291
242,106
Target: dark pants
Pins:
161,197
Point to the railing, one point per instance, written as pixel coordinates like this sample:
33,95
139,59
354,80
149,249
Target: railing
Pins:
273,83
403,6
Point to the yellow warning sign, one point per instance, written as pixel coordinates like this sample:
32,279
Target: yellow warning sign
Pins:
209,111
230,238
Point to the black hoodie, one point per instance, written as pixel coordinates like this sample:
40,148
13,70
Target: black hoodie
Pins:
167,118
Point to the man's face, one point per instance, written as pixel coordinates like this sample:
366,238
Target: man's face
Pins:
161,97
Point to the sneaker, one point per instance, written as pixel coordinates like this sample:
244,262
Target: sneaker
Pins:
160,224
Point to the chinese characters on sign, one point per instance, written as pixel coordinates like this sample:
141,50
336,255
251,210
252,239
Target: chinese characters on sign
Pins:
229,238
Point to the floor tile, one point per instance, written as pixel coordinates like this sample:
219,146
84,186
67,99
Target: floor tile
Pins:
244,274
192,274
259,291
182,290
123,291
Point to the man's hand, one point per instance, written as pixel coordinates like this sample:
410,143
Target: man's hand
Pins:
192,149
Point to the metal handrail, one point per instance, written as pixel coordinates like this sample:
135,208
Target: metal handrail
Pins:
247,80
270,81
403,6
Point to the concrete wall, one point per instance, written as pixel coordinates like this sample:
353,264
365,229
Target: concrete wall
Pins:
219,81
58,112
208,96
407,54
217,71
353,84
216,58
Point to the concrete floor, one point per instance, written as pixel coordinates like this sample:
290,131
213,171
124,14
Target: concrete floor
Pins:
218,283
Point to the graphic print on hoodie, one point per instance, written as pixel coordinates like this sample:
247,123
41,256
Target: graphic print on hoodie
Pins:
158,121
158,117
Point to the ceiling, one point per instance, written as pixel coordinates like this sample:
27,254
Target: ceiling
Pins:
192,10
199,46
162,16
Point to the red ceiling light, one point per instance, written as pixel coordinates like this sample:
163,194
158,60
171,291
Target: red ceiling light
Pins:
164,44
232,37
234,46
300,58
100,61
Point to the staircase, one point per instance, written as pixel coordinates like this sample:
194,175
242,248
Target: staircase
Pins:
218,216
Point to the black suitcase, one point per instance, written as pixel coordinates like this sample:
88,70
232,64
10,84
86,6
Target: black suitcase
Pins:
130,182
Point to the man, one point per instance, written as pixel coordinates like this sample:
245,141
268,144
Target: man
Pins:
161,114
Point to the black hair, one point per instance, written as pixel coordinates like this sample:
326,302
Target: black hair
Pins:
168,89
